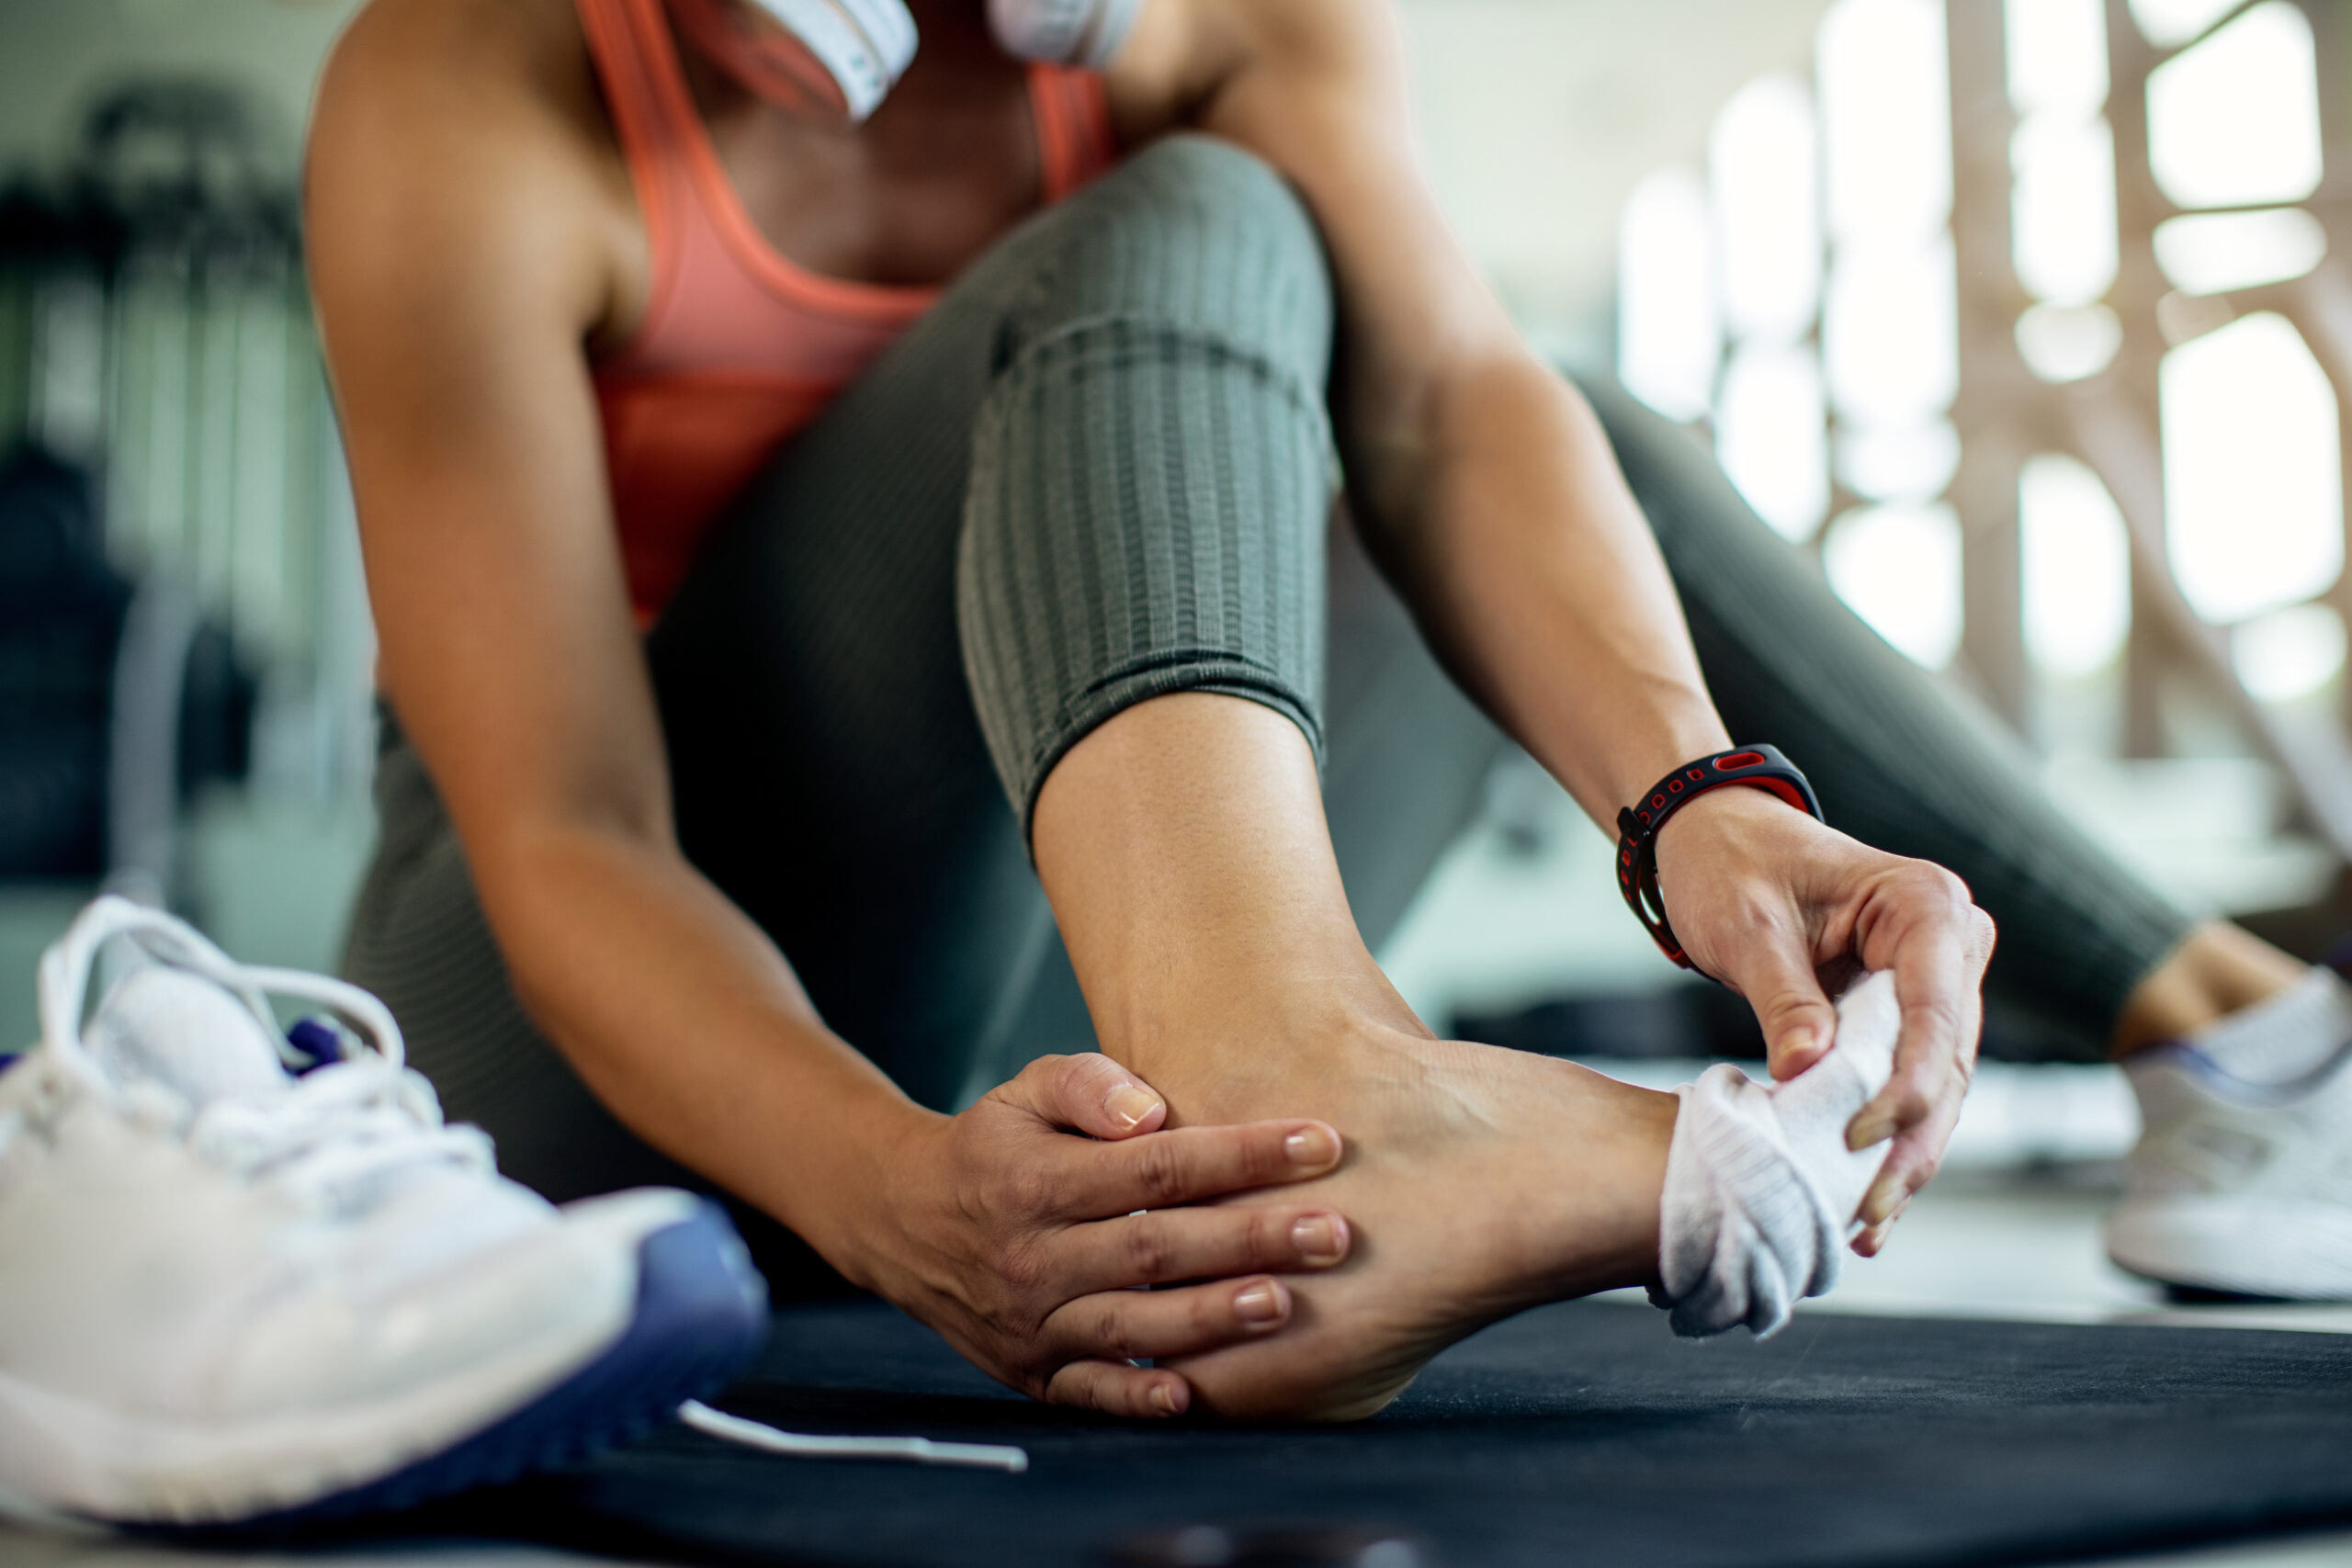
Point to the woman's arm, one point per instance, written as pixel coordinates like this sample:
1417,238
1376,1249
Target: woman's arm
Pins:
1488,493
466,243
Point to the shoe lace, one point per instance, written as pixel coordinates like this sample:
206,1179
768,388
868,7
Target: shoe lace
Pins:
336,1126
337,1129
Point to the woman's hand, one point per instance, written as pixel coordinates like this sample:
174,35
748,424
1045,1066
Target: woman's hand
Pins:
1011,1229
1768,900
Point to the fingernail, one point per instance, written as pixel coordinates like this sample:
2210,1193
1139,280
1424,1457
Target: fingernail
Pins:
1797,1042
1311,1147
1129,1104
1863,1134
1317,1237
1261,1302
1878,1207
1165,1399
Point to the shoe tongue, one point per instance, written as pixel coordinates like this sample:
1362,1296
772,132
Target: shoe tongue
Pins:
186,1032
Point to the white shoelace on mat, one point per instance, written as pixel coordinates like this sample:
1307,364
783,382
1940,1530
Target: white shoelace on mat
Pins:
920,1450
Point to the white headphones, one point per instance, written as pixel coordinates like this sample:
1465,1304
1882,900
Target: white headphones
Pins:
866,45
1063,32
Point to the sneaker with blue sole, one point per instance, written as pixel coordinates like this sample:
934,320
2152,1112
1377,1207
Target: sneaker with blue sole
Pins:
247,1285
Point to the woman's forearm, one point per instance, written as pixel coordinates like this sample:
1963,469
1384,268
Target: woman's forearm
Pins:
1534,576
683,1019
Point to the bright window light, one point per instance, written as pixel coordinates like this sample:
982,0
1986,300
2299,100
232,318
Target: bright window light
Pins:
2057,56
2062,208
2207,252
2254,493
2234,121
1761,157
2077,568
1886,117
1668,339
1890,333
2168,22
1898,568
1913,462
2289,653
2066,343
1769,436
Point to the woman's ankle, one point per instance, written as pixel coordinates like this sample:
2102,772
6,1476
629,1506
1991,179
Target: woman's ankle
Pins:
1184,846
1226,1060
2217,971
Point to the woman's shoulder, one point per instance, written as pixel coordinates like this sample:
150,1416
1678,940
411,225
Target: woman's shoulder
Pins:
461,170
466,125
476,44
486,80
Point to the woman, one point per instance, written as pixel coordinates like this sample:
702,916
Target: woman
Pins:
781,526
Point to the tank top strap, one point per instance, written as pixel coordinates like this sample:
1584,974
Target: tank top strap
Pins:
1073,118
629,45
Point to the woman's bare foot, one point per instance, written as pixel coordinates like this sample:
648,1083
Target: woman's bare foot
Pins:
1477,1182
1183,844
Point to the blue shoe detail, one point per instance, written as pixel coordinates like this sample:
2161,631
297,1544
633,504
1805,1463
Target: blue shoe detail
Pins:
701,1313
317,1039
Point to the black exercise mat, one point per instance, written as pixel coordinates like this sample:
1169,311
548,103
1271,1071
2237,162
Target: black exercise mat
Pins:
1580,1433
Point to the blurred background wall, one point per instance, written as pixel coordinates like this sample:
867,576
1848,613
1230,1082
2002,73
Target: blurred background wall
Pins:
184,643
2026,320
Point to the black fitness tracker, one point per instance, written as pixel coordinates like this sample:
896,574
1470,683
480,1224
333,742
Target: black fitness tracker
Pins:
1760,766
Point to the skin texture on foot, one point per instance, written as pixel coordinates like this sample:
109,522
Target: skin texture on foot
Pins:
1479,1182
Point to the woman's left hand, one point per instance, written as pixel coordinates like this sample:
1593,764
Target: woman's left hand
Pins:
1768,900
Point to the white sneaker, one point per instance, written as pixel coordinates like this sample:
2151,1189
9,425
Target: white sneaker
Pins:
231,1293
2236,1187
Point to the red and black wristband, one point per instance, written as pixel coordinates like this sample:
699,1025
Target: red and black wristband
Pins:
1762,767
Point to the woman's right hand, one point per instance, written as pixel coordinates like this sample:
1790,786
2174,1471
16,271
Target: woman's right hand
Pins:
1013,1230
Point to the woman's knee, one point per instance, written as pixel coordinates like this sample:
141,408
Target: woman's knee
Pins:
1219,184
1193,236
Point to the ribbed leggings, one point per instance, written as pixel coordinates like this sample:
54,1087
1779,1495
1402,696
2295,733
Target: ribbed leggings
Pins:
1100,469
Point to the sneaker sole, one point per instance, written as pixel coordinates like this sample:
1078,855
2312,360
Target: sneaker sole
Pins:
701,1314
2229,1248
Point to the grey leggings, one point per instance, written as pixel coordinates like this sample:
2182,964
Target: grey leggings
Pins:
1098,470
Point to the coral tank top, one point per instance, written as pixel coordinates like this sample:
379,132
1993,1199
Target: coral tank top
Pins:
739,349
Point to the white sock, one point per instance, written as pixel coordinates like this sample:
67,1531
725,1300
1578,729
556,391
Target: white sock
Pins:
2279,1040
1760,1188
